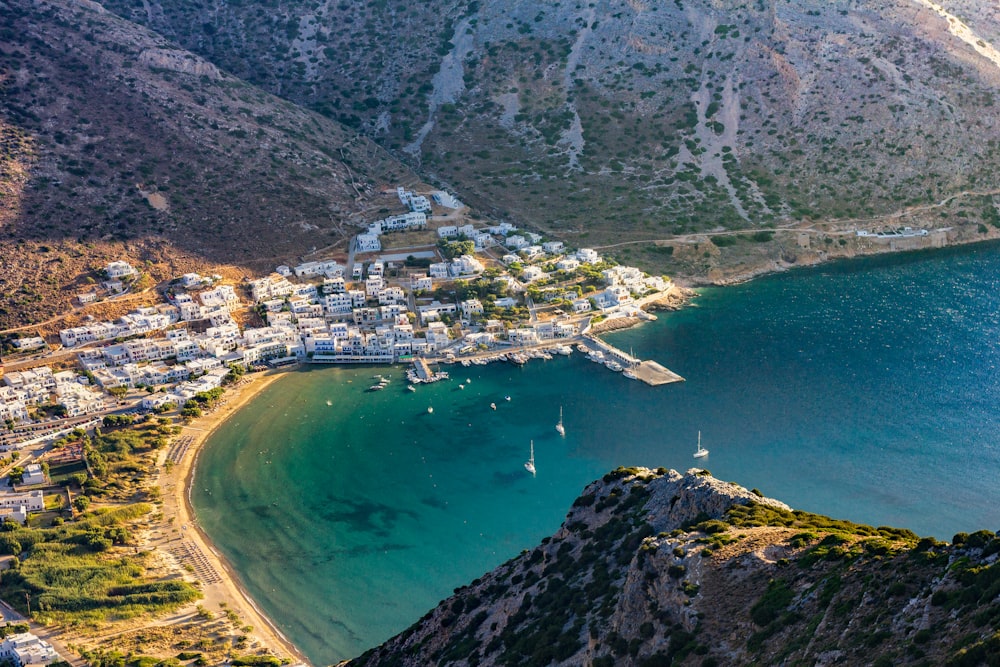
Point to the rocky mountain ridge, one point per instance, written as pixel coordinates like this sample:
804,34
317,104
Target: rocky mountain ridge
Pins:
660,568
120,144
623,120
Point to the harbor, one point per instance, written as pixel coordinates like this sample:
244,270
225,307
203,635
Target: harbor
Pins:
597,350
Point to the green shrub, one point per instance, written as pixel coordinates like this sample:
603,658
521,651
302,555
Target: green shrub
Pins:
774,601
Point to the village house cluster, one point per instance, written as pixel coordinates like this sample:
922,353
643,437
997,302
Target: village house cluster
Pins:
23,390
325,312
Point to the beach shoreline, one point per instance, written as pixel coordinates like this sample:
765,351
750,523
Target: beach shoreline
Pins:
227,591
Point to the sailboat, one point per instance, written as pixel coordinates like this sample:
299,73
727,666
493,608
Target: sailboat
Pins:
529,465
700,452
559,426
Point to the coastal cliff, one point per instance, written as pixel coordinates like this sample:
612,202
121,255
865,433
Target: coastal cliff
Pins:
658,568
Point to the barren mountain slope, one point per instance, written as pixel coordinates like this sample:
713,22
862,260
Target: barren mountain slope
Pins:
118,143
634,119
657,568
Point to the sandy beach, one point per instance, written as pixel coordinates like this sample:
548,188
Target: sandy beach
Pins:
225,621
184,540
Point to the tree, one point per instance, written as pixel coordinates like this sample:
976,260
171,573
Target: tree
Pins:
16,475
236,371
81,503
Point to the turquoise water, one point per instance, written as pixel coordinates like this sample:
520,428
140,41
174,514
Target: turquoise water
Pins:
865,391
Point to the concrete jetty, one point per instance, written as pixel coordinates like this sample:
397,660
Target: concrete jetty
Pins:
654,374
649,372
423,370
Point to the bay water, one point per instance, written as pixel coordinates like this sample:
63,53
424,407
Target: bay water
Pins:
865,390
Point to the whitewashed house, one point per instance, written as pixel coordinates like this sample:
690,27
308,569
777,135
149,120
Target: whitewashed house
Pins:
120,269
516,242
368,243
439,270
568,264
421,281
471,308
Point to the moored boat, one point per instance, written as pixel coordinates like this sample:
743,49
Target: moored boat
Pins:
701,452
529,465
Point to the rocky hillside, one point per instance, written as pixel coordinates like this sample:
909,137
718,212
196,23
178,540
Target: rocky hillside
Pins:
632,120
118,143
658,568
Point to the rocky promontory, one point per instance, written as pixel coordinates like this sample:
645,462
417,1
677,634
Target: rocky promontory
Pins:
660,568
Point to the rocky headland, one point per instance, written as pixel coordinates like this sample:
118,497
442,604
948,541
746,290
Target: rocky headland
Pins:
659,568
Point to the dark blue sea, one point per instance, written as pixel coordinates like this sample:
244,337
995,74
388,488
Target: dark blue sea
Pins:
865,390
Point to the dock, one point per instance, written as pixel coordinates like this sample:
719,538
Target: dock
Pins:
650,372
654,374
423,370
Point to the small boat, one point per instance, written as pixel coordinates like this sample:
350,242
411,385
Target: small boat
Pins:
559,425
700,452
461,386
329,402
630,374
430,410
506,398
493,406
529,465
410,387
614,366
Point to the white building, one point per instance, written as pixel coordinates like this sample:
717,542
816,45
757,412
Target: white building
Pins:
221,296
447,232
420,204
29,343
368,243
33,501
588,256
338,304
466,265
24,649
553,247
532,252
330,267
442,198
532,273
568,264
516,242
482,240
390,295
421,281
396,223
471,308
505,302
191,280
439,270
33,474
503,229
120,269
